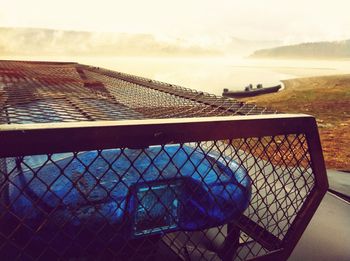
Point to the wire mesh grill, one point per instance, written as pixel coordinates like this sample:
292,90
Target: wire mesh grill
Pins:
61,92
217,193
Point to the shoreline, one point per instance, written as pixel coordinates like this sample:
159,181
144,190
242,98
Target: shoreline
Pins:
328,99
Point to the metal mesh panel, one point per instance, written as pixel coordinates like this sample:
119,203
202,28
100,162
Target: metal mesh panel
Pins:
83,203
59,92
220,188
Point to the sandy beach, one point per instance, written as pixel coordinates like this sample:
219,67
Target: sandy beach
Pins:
328,99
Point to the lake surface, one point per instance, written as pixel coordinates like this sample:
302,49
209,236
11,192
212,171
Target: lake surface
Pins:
212,74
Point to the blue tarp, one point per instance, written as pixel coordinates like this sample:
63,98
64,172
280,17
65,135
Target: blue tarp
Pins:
150,191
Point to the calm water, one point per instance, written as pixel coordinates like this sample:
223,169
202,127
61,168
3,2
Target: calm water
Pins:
213,74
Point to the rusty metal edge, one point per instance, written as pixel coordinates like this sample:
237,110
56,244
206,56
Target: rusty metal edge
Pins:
314,199
31,139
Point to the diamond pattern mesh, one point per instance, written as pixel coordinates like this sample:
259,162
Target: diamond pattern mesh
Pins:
90,217
62,92
222,199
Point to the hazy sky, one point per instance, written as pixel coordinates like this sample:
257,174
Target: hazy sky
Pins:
285,20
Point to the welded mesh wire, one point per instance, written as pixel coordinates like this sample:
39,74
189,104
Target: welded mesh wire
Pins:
230,199
122,202
47,92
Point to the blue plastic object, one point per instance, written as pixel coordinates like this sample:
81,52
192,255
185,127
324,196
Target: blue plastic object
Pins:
139,192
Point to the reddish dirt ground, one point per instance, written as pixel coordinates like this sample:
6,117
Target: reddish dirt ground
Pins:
328,99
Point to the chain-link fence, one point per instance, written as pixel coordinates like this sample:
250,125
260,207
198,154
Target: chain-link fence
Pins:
162,184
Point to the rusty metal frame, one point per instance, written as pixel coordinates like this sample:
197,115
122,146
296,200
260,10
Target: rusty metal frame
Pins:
31,139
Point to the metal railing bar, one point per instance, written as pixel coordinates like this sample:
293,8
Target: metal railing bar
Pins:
30,139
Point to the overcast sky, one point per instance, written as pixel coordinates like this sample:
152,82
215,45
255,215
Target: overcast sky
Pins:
284,20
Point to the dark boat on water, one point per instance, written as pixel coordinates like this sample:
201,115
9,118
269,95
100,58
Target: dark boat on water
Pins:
249,91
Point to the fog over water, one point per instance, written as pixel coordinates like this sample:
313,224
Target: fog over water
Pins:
211,74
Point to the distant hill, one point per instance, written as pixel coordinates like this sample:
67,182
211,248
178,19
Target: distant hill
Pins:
316,50
36,42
